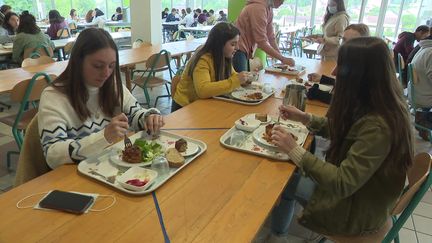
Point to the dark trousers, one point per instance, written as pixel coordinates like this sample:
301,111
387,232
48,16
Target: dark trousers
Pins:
175,106
240,62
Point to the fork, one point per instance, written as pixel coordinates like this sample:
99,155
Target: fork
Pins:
127,142
110,179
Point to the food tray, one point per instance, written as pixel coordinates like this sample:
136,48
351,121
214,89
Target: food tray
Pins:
230,98
299,70
104,166
252,146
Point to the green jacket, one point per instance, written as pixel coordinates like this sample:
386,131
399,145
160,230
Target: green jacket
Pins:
354,196
23,41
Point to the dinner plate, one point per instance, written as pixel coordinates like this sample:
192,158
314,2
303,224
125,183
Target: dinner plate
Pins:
191,149
242,95
116,159
259,132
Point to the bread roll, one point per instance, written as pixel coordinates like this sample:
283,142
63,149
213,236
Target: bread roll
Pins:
175,159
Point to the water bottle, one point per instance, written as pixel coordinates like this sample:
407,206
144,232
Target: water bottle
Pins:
160,164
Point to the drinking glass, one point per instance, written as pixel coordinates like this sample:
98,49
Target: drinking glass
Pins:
237,137
267,88
160,164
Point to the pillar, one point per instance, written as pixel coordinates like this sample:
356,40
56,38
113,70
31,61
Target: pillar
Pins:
146,22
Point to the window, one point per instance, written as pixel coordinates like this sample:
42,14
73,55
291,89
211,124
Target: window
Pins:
391,18
353,8
371,14
321,7
285,14
19,6
43,7
304,9
409,16
64,7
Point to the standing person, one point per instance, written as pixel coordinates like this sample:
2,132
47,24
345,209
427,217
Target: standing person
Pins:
57,22
10,24
422,64
209,72
405,43
189,19
417,48
87,107
118,15
4,9
255,23
353,191
28,35
335,22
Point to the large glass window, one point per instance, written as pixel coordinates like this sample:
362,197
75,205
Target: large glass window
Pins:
320,11
19,6
112,5
64,7
371,15
284,15
391,18
304,13
409,15
353,8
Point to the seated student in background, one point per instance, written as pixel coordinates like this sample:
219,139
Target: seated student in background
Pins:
118,15
422,63
73,17
172,16
4,9
165,13
87,107
28,36
99,18
222,17
353,191
10,24
189,19
209,72
350,32
90,16
57,22
211,19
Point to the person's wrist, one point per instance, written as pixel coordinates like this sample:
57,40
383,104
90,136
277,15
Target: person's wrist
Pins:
306,118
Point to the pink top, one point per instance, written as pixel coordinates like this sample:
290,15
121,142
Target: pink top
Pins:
52,30
255,23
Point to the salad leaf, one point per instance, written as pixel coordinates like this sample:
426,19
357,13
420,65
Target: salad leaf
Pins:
150,150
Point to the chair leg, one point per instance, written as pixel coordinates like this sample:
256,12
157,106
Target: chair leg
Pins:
8,157
147,97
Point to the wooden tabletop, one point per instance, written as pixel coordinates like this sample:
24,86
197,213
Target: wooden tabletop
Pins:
222,196
209,201
10,77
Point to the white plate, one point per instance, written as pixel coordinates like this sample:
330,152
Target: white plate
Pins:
259,132
249,123
137,173
191,149
116,159
241,95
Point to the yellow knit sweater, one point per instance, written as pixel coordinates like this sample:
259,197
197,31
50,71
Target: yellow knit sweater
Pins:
203,84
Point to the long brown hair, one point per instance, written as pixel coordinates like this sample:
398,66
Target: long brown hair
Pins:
366,83
218,36
340,7
28,24
71,81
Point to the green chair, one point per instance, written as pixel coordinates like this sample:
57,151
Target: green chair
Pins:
419,181
27,93
39,50
147,79
400,68
412,80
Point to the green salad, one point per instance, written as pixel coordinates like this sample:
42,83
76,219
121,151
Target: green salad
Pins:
150,150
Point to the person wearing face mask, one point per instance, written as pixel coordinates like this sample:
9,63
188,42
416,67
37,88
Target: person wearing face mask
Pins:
255,23
335,22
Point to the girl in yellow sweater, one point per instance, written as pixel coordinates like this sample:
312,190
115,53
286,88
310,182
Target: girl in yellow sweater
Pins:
209,72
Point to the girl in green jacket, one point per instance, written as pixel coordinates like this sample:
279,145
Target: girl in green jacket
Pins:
353,191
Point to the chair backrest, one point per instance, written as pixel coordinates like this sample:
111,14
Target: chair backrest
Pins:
36,61
31,89
137,43
68,49
39,50
159,60
72,26
400,67
63,33
31,162
411,81
174,82
419,179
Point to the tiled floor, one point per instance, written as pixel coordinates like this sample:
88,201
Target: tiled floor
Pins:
418,229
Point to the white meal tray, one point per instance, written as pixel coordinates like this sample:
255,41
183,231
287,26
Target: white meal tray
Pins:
254,145
239,100
104,165
299,70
